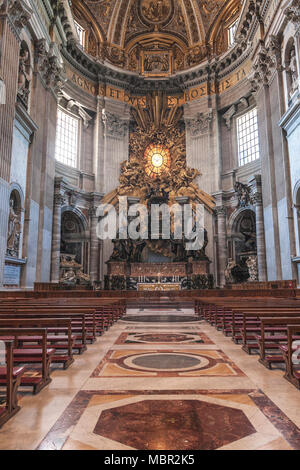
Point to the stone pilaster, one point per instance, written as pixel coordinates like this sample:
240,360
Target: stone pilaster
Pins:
94,246
221,244
256,197
56,237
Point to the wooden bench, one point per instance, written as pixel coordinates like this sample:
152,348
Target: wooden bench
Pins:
10,378
59,336
292,371
273,334
41,356
251,327
78,322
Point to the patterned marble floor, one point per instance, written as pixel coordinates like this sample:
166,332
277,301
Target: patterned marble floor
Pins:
160,384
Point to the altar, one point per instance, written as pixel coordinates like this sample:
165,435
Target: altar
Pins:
159,286
158,276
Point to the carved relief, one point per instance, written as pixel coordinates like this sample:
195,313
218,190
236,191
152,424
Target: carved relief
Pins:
292,70
114,126
155,11
200,125
209,10
293,14
262,68
52,71
19,13
243,193
156,63
24,77
192,21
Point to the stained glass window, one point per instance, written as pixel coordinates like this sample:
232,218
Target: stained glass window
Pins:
157,160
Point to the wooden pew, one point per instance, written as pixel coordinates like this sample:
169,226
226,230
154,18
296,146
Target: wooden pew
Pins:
252,326
10,378
55,340
41,356
292,372
78,322
273,334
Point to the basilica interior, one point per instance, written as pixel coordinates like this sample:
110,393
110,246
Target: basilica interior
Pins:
121,122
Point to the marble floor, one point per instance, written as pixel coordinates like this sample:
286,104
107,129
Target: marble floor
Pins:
160,381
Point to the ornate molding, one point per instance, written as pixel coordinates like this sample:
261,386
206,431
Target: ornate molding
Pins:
200,125
229,115
50,68
275,51
113,125
243,193
59,200
262,68
220,211
40,51
19,14
292,13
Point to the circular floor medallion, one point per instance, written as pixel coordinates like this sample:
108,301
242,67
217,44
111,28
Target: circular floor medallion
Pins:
166,362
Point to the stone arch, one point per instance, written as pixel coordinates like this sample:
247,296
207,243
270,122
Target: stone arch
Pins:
73,235
242,243
15,221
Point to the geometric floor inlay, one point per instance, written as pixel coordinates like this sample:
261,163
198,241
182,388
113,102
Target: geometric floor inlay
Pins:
164,338
172,419
166,363
174,424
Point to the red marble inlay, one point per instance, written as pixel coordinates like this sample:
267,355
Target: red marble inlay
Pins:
58,434
163,338
174,425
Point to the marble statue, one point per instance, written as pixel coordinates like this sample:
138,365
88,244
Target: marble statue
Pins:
13,236
252,268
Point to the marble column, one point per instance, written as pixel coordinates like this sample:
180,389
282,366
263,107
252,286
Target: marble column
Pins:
94,246
222,244
260,237
56,237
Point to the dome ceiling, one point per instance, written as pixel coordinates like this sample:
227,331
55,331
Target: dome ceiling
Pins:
155,37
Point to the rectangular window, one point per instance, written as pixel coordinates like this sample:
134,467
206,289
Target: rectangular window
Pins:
247,133
66,150
80,32
231,33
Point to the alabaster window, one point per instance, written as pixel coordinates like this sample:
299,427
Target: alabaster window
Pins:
80,32
231,33
248,140
67,132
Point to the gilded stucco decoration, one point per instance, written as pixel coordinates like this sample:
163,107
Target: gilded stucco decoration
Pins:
155,38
